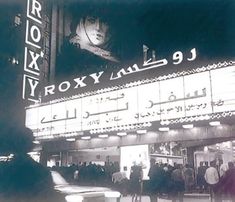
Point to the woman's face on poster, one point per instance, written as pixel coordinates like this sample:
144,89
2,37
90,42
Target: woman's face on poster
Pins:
96,30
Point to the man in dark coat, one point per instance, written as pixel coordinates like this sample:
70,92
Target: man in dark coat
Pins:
226,184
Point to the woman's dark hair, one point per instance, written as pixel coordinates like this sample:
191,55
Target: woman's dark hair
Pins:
96,10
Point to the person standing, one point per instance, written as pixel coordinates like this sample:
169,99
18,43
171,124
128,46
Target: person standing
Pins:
136,177
201,183
178,183
152,180
223,168
212,178
226,184
188,174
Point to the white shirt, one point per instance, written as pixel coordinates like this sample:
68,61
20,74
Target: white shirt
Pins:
223,169
118,176
211,175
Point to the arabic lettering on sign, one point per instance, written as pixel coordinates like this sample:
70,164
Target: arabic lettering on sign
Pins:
56,117
218,103
105,99
195,107
153,110
177,57
38,130
112,119
89,114
166,109
93,122
156,114
148,63
151,63
175,98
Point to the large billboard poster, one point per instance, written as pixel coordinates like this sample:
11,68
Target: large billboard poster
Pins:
122,41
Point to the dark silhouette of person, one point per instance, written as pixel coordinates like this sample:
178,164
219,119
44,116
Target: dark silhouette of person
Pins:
152,180
226,185
136,176
201,183
188,173
178,183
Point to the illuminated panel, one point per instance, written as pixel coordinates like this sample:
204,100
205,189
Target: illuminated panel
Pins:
91,112
74,114
59,115
135,154
188,96
31,118
171,98
127,106
108,108
223,89
33,50
45,115
197,96
148,95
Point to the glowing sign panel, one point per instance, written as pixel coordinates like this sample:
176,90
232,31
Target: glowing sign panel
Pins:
192,95
138,155
33,54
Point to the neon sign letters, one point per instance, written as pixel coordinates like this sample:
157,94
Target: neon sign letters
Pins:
148,63
33,53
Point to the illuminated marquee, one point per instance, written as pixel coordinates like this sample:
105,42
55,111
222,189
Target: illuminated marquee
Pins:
33,50
160,100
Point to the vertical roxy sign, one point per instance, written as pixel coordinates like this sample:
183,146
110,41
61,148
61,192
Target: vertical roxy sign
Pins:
33,53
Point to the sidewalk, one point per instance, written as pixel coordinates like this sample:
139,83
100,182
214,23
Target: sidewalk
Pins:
194,197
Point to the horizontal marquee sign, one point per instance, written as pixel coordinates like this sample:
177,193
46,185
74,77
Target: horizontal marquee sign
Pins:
150,62
203,93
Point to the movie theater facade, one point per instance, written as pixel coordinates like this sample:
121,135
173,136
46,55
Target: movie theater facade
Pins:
174,106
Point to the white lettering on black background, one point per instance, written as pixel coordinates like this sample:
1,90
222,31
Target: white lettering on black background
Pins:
33,50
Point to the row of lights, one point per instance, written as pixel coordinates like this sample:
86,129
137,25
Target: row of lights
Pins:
106,135
121,127
121,134
189,126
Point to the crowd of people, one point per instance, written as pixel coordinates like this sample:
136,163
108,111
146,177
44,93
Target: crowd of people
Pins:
89,173
217,178
165,180
171,181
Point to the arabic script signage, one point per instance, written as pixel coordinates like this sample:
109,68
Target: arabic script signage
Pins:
204,93
150,62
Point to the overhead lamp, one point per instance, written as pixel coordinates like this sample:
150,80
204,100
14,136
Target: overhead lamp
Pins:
164,129
121,133
141,131
205,149
36,142
187,126
86,137
103,135
214,123
70,139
